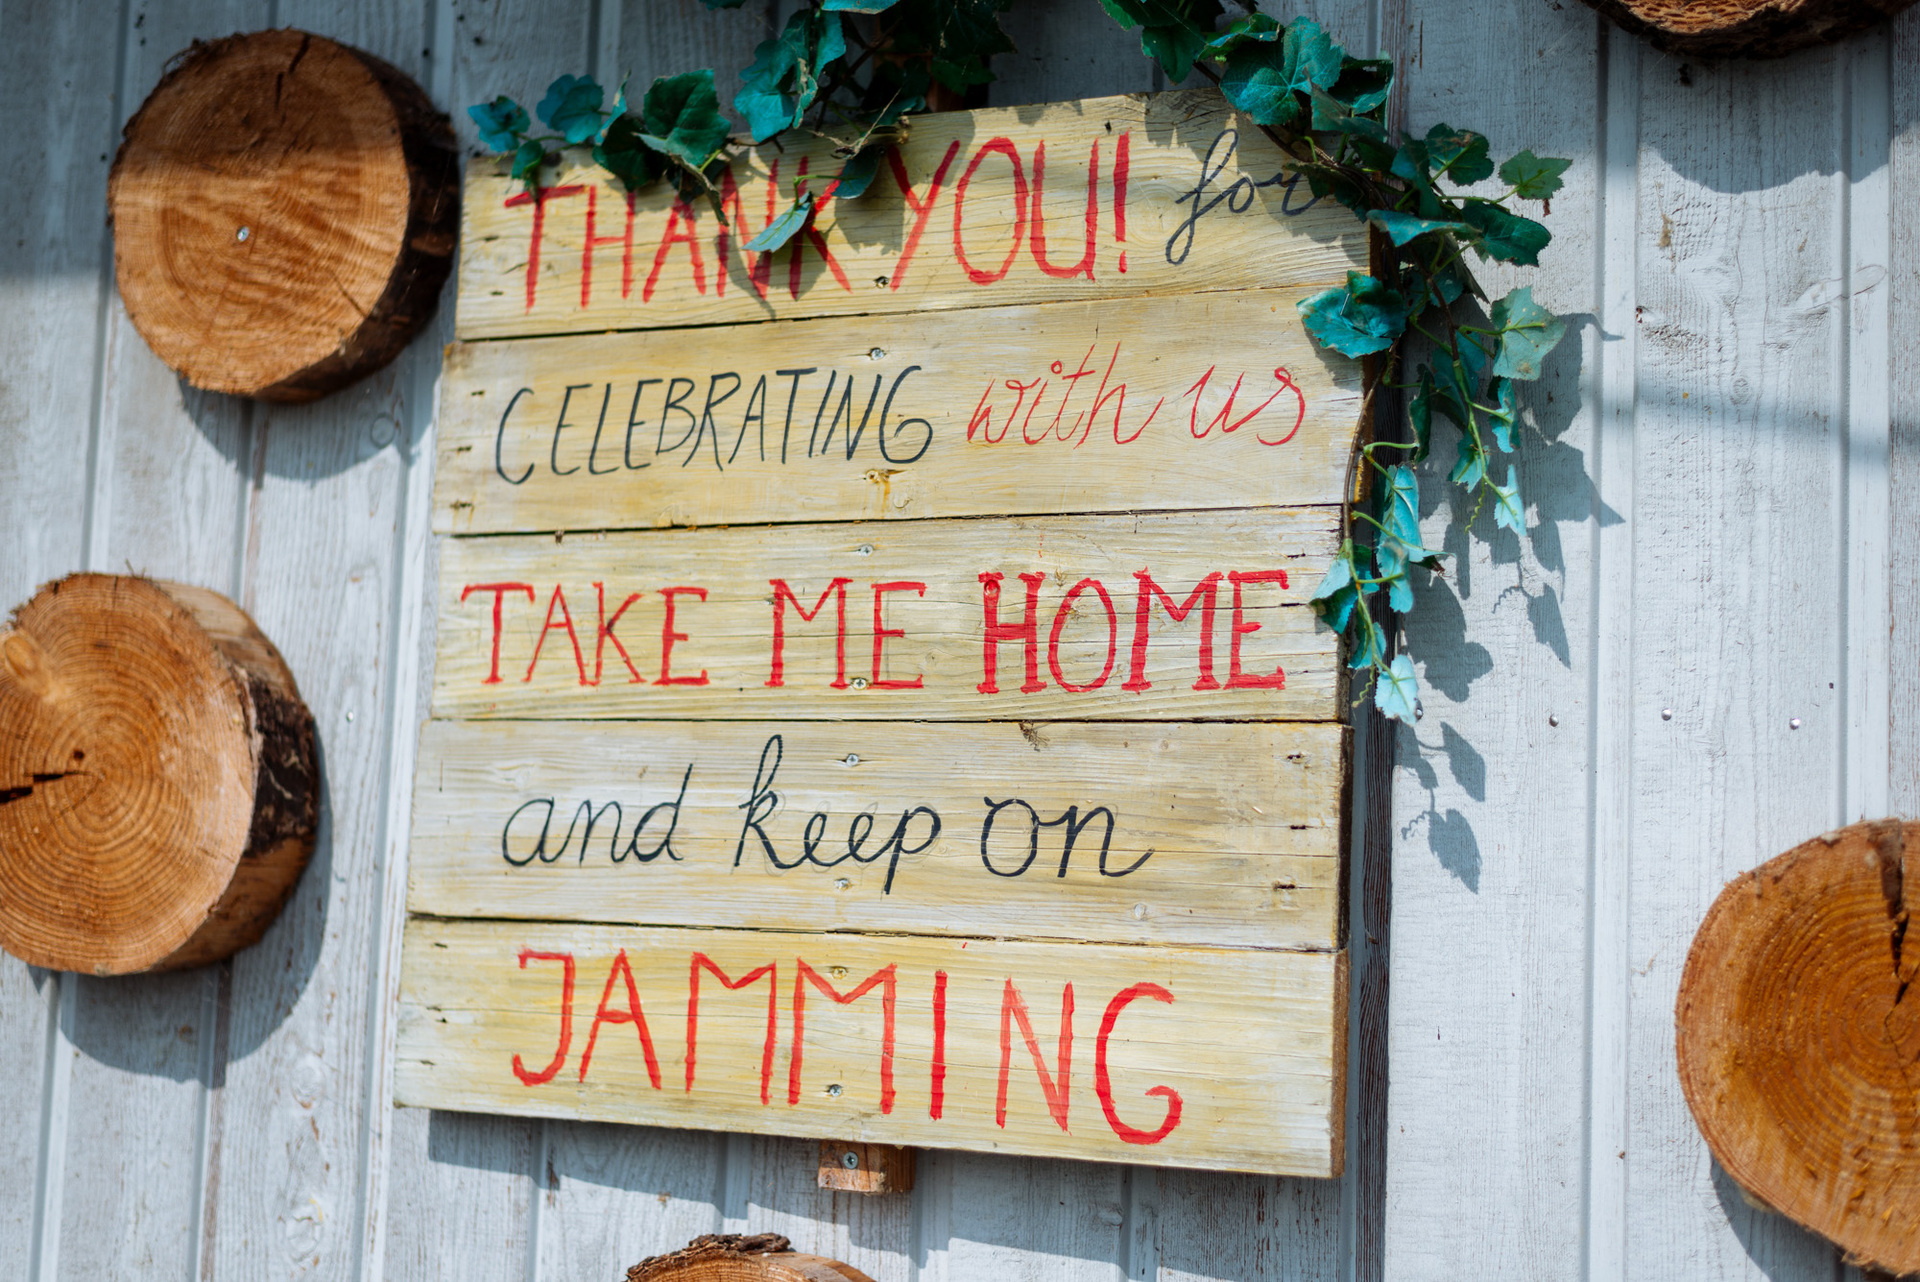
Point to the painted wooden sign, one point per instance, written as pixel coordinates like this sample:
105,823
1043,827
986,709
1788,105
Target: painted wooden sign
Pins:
903,728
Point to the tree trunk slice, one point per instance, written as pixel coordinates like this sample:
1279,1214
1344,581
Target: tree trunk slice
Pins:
285,210
158,786
735,1257
1798,1033
1710,29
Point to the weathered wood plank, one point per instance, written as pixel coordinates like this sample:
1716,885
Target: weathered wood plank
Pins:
1232,831
1207,401
874,1234
303,1107
170,499
931,664
1034,1220
614,1195
1737,581
1488,1047
461,1192
54,274
461,1203
985,243
1252,1043
1904,763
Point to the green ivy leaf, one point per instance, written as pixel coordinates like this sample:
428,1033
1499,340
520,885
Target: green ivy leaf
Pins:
857,6
1420,414
1506,415
857,174
1254,26
623,152
1396,690
1264,80
572,108
681,115
1412,164
1459,154
1327,181
1504,236
1338,592
1470,469
1364,83
1401,228
784,79
1507,511
723,4
1528,332
527,159
1174,47
1533,177
501,122
1470,364
1403,508
785,227
1355,319
1369,650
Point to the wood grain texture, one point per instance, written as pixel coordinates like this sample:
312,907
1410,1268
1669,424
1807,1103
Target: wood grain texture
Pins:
1796,1038
1239,828
162,789
678,273
1487,1057
1256,1054
730,630
285,212
1205,401
850,1166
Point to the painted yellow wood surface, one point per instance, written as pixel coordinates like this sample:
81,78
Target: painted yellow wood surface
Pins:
1241,1051
1259,653
1206,401
1176,832
1008,205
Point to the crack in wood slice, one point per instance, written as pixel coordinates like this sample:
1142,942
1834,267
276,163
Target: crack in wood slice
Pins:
1798,1038
159,790
1709,29
285,210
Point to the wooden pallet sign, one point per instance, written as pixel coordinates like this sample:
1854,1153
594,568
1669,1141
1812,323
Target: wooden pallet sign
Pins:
876,696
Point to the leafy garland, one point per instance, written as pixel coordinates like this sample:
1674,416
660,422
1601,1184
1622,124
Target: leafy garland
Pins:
850,71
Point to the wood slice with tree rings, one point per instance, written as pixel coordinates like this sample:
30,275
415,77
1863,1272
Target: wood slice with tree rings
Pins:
285,210
735,1257
158,785
1798,1035
1710,29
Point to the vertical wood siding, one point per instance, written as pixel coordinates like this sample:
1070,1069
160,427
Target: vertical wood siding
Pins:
1717,487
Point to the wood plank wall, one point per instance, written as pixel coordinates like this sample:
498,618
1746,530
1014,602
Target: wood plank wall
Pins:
1716,491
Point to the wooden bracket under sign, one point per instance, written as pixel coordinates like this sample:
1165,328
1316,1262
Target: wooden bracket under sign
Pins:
865,1168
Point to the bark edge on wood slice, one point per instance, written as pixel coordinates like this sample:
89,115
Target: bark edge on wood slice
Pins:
851,1166
1711,29
159,791
285,210
1797,1030
736,1257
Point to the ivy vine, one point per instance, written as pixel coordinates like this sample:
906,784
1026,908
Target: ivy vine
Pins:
850,72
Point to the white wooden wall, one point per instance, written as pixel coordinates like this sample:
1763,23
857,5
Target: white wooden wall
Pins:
1720,487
